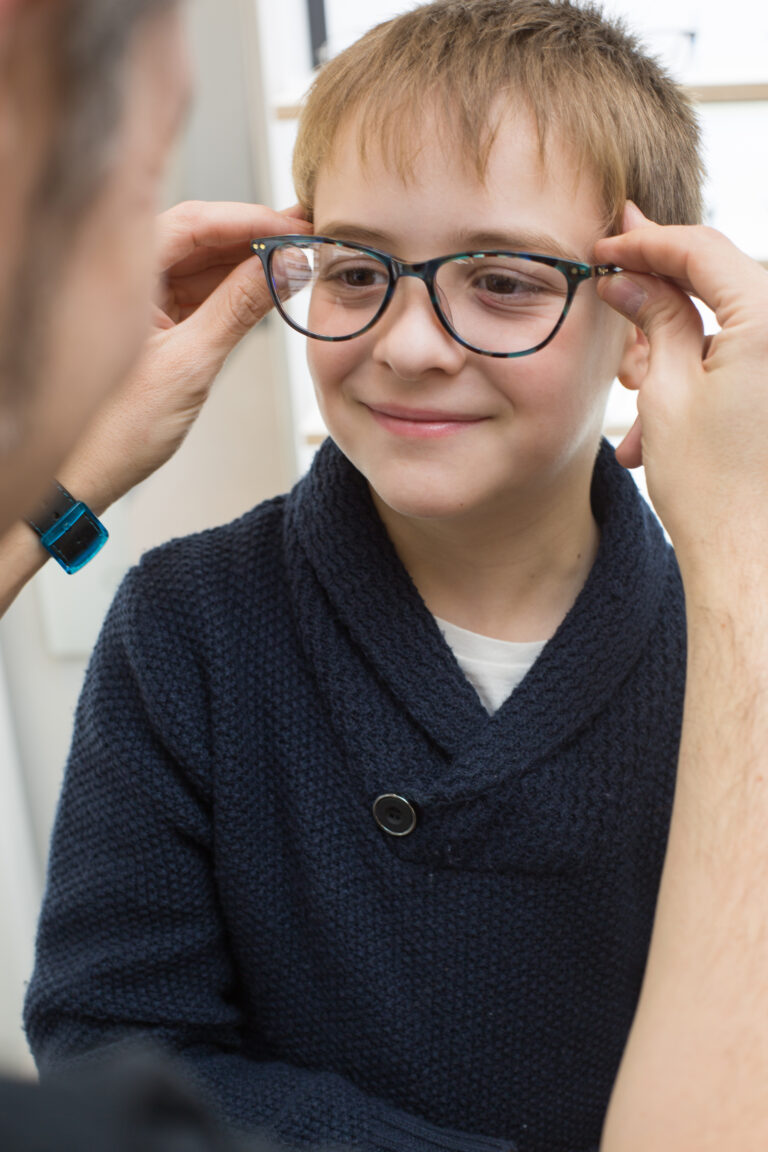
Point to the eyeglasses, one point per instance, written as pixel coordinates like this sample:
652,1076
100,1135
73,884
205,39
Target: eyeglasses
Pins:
502,304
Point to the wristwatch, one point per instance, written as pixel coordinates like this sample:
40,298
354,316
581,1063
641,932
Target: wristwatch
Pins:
67,528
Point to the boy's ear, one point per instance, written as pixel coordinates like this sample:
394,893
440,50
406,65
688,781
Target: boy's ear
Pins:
634,361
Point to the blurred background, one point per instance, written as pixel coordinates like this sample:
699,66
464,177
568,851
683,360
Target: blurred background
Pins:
253,60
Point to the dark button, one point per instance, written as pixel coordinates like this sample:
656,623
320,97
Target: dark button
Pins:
394,815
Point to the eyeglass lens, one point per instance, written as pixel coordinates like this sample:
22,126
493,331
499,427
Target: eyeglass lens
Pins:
495,302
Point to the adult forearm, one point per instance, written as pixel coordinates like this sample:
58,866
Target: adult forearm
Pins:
21,556
213,293
695,1073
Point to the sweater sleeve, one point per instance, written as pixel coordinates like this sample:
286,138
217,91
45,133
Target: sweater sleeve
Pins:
131,942
136,1103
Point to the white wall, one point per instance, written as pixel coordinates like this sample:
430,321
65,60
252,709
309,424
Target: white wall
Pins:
19,893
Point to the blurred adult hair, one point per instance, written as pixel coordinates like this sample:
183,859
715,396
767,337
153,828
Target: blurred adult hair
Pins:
93,39
64,68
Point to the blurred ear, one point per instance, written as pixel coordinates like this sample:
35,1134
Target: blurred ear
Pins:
634,361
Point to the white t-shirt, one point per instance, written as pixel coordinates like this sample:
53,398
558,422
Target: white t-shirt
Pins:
493,667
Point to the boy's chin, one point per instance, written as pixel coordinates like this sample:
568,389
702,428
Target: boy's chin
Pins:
451,487
422,501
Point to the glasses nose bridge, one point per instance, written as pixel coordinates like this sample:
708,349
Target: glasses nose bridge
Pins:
423,270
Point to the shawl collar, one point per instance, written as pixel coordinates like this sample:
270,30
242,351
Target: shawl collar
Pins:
359,614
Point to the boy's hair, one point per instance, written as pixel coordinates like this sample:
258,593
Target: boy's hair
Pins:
585,79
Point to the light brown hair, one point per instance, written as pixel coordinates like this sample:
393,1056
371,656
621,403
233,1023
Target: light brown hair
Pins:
586,80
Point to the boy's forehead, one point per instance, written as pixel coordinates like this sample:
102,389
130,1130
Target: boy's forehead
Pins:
380,190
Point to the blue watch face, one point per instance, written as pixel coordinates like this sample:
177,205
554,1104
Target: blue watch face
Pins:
75,538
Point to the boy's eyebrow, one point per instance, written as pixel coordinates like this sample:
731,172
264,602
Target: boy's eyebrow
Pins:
537,243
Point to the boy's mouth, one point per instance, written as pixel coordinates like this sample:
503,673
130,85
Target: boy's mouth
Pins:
420,422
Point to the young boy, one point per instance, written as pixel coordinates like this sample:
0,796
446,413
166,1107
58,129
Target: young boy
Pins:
369,791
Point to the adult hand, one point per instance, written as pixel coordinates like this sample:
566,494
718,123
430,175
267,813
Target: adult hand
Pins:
695,1068
212,292
703,407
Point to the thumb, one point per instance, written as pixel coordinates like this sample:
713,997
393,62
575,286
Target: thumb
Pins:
676,342
231,310
666,315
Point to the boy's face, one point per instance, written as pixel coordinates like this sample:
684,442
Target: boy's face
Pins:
437,430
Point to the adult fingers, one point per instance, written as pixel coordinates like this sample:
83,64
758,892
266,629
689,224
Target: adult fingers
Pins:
195,225
214,255
676,347
297,211
236,305
698,260
665,314
185,293
210,256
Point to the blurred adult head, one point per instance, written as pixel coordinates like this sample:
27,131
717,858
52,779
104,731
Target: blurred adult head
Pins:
91,93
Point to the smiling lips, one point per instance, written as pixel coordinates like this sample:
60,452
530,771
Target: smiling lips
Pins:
417,423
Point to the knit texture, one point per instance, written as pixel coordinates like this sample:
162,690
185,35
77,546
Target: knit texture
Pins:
217,879
138,1103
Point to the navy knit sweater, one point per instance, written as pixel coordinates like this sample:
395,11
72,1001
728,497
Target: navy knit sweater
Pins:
218,881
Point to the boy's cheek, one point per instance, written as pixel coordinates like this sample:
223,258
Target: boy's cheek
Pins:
323,362
328,371
330,365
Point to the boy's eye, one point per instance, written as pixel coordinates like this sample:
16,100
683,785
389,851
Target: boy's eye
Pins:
362,277
517,281
504,281
504,285
355,275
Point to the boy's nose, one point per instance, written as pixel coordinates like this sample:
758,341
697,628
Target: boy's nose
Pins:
410,337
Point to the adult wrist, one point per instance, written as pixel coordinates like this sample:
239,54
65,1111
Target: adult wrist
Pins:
68,529
87,486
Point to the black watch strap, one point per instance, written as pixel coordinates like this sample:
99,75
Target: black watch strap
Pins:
67,528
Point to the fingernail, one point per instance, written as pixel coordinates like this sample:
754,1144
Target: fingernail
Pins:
624,294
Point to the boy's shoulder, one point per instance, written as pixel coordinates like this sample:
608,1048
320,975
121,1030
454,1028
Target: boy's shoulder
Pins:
217,562
220,569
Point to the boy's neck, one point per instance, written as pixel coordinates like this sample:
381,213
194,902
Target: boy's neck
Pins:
513,574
